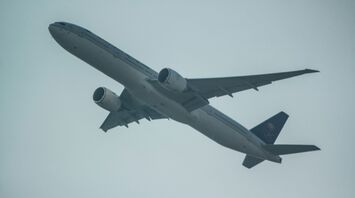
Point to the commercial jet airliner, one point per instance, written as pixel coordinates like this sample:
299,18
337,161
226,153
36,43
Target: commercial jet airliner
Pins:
151,95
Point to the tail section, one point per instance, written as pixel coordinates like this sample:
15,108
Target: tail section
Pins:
284,149
270,129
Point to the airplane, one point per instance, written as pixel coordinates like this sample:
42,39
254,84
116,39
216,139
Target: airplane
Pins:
151,95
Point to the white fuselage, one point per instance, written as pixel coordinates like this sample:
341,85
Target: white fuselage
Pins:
134,75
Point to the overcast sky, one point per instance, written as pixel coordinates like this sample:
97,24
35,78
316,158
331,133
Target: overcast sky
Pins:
50,142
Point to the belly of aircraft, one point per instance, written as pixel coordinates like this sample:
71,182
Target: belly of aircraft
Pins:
200,120
222,133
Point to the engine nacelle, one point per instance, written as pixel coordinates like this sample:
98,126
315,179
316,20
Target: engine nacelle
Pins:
172,80
107,99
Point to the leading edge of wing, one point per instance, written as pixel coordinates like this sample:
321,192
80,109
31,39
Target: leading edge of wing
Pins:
289,75
214,87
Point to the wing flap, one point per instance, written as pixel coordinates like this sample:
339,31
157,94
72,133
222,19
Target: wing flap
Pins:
114,119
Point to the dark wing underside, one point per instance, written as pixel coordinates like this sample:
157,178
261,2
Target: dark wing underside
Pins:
132,111
215,87
201,89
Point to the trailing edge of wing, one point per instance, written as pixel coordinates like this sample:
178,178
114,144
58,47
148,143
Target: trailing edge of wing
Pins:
125,117
214,87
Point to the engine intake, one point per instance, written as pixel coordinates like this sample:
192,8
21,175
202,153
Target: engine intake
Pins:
107,99
172,80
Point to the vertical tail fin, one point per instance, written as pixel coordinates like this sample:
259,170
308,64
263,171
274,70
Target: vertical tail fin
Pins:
270,129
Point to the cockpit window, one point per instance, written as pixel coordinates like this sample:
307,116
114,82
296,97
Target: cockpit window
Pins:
61,23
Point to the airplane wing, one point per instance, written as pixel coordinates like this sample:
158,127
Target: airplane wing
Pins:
132,111
215,87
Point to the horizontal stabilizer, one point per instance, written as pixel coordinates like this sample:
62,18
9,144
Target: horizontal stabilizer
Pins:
250,161
284,149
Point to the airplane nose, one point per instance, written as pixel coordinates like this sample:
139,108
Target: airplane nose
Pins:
63,34
53,29
58,32
50,27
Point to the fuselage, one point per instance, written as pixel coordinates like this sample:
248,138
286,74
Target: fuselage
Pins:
134,75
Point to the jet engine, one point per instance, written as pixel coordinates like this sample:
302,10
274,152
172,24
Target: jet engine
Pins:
107,99
171,80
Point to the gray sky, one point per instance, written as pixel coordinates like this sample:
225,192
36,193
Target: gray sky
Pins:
50,144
